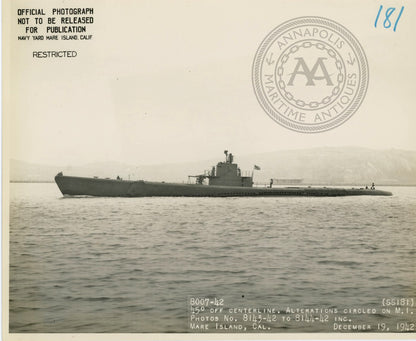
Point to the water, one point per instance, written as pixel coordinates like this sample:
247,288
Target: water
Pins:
131,264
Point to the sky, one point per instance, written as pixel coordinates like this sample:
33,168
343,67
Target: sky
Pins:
171,82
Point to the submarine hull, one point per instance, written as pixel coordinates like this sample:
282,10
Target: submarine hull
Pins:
71,185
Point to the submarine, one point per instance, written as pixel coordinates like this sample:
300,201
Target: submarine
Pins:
223,180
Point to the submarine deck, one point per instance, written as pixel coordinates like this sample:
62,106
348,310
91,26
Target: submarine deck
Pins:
71,185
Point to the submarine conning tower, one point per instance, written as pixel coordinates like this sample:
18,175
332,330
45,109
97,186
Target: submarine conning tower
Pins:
228,174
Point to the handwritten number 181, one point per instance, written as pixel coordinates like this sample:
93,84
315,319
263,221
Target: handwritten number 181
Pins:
387,21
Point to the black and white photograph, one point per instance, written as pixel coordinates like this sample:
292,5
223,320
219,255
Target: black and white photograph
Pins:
181,170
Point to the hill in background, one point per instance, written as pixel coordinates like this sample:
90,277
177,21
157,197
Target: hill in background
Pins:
347,165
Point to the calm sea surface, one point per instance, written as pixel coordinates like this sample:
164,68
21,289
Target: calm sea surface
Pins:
133,264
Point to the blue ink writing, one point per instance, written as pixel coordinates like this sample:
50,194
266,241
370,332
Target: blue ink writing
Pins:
388,14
